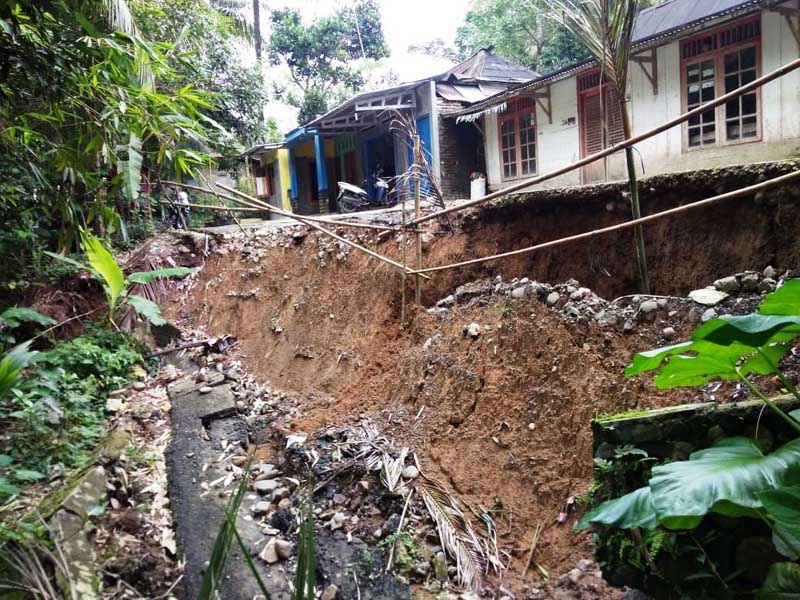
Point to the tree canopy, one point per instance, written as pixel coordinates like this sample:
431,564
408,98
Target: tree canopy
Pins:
322,55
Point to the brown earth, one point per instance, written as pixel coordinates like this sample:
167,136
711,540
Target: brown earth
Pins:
465,405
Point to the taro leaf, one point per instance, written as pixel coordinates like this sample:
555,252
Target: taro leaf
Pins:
785,543
752,330
782,583
783,505
147,309
785,301
104,263
795,414
14,317
631,510
5,460
145,277
697,362
732,472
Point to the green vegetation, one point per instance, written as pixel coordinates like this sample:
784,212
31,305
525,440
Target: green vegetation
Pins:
321,56
734,478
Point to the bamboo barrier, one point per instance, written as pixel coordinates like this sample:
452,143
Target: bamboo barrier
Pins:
213,207
777,73
417,214
783,179
318,219
255,203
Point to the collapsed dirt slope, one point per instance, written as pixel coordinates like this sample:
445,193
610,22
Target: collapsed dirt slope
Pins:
502,417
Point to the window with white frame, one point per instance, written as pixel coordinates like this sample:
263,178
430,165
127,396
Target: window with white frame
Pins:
715,63
518,152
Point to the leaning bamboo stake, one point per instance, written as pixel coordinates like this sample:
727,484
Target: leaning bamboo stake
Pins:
403,274
305,221
777,73
417,214
213,207
783,179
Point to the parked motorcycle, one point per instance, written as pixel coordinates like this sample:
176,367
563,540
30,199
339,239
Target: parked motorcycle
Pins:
352,198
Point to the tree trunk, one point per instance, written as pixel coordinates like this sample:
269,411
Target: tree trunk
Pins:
638,231
257,28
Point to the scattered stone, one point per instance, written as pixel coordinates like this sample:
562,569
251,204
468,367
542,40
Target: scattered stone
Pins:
265,486
170,372
440,566
552,298
770,272
519,292
472,330
767,285
662,303
139,386
337,521
283,549
531,426
410,472
330,593
749,281
708,297
728,284
648,306
114,403
267,471
285,504
259,509
339,499
281,493
629,326
669,333
239,461
447,301
708,315
206,389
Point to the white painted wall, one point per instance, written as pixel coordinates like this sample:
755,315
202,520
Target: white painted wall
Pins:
559,143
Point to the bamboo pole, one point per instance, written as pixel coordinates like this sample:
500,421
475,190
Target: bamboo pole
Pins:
783,179
321,220
777,73
306,221
417,214
403,274
213,207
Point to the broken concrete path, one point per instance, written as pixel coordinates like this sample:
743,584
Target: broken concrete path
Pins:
201,423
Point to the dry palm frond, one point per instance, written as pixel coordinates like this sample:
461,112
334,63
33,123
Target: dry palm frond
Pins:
456,534
33,568
155,291
404,183
392,471
605,28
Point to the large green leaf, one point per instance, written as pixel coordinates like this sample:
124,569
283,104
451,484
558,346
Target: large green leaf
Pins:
631,510
14,317
131,166
732,472
147,309
145,277
782,583
104,263
751,330
784,301
783,505
12,363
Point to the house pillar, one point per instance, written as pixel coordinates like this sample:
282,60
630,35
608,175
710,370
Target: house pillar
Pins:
294,193
285,178
322,174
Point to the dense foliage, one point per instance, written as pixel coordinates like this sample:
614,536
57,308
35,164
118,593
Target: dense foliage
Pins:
736,477
321,56
53,418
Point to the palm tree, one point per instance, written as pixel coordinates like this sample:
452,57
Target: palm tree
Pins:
606,27
235,9
119,18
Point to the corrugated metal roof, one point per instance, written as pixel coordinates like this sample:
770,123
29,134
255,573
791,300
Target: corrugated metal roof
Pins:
485,65
663,21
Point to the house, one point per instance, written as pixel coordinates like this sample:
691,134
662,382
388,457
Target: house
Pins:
268,165
684,53
355,140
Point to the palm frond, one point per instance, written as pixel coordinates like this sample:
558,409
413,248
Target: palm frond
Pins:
119,17
604,27
456,534
237,12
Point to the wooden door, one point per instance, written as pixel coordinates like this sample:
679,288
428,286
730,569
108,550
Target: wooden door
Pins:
601,126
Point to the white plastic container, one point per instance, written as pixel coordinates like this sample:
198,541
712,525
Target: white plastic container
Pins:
477,188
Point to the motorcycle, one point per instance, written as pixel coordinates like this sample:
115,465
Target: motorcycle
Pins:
352,198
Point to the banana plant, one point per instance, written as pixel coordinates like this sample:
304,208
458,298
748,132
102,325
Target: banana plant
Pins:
734,477
116,286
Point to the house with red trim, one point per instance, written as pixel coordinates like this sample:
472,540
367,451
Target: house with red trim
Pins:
685,53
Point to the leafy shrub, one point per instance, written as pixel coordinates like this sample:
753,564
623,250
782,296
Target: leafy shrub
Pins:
55,416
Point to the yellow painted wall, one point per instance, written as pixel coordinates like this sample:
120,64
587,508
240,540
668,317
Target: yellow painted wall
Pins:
285,178
305,150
